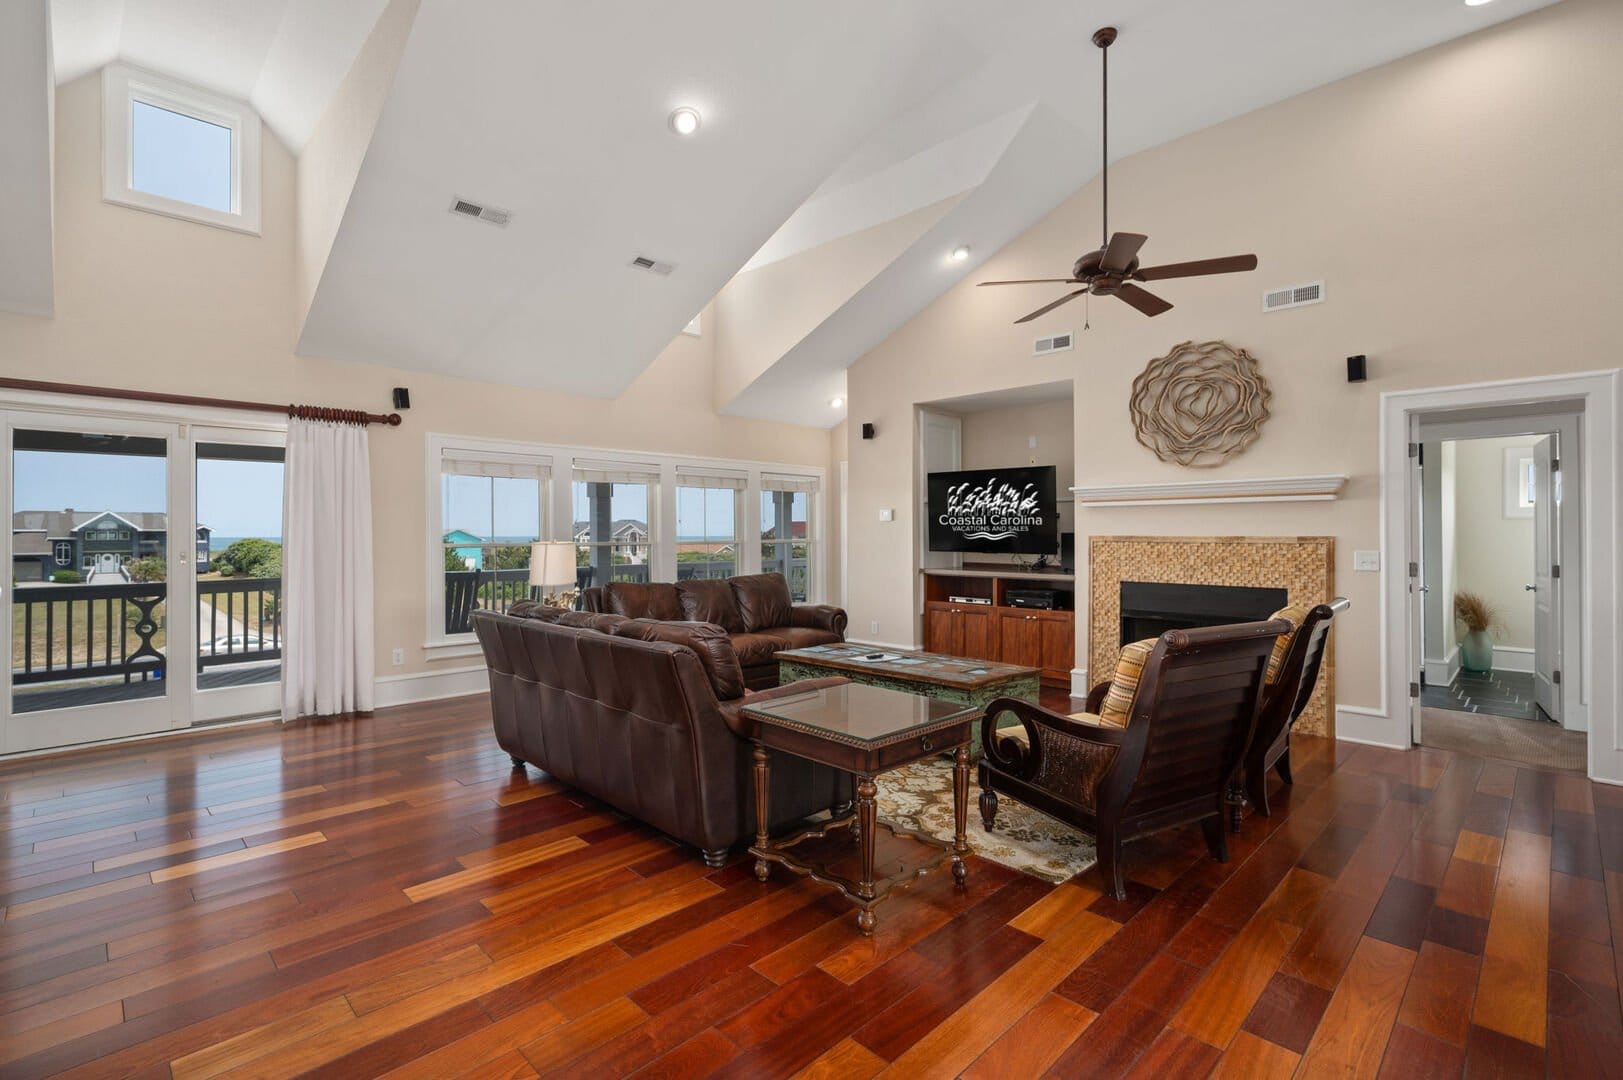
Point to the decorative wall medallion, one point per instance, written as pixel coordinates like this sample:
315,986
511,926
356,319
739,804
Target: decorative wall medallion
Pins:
1200,405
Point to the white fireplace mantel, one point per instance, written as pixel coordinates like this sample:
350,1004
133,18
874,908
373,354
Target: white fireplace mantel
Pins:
1197,492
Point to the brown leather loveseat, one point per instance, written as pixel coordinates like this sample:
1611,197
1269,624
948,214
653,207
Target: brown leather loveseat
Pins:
755,610
643,715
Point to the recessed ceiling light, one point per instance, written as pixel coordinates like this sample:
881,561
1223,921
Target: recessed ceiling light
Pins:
835,402
1476,3
685,121
960,253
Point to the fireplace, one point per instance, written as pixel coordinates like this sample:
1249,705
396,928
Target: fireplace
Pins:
1150,608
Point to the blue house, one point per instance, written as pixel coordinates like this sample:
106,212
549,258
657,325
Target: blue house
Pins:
473,557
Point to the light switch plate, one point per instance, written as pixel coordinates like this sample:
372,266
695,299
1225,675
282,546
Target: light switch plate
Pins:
1367,561
887,515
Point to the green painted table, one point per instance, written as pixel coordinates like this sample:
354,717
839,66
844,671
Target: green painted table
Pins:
946,678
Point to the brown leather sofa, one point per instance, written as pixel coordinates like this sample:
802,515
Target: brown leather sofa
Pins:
755,610
644,715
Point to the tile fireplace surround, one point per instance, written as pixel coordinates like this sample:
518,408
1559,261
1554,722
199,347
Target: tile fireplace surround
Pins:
1304,566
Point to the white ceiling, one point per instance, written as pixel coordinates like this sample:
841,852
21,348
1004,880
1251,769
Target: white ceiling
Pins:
284,57
820,121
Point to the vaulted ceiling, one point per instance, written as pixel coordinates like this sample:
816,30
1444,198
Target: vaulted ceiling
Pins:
846,147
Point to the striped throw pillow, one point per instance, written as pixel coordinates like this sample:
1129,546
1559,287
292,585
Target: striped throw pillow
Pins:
1118,704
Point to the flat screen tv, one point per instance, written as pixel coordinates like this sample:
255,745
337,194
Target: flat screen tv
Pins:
995,511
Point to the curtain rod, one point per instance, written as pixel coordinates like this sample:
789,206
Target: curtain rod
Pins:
303,412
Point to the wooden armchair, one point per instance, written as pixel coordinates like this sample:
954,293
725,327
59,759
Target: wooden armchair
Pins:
1161,750
1293,671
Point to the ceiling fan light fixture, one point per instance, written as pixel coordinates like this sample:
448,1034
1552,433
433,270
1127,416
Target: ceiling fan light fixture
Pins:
685,120
960,253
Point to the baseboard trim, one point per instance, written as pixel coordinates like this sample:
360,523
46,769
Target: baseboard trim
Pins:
1442,672
1366,727
1079,682
1512,658
888,646
392,690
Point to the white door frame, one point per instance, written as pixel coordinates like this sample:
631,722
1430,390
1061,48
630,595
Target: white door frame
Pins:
1602,618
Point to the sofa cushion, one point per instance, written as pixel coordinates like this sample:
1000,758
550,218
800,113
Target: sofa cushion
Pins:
708,640
535,609
711,602
803,637
763,601
636,601
756,649
601,621
1117,709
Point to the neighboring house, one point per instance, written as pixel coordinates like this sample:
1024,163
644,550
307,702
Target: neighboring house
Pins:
629,538
473,556
45,541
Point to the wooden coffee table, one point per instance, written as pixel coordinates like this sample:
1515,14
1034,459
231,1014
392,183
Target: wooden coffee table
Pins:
947,678
865,731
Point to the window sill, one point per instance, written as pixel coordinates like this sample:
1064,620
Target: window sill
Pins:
452,648
174,208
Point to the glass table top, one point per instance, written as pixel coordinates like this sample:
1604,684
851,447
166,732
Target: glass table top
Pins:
860,714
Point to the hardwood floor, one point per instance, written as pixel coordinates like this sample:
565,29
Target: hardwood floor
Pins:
389,896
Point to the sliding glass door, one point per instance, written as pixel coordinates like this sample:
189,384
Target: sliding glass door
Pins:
121,620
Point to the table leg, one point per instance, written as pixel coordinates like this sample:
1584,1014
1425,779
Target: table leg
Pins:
960,812
867,818
763,776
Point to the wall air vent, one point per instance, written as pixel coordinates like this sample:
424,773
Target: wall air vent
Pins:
491,214
1293,296
1057,343
653,266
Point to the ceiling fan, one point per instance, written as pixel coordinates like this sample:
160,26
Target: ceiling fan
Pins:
1113,268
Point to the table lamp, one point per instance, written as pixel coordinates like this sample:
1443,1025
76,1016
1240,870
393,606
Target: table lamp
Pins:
552,571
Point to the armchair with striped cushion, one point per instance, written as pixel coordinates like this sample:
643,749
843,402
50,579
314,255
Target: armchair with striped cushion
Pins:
1158,747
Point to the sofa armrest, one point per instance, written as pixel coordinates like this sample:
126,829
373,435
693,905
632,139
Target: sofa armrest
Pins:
819,617
742,726
1080,753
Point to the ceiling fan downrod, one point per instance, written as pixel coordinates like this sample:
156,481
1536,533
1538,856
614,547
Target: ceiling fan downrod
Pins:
1104,37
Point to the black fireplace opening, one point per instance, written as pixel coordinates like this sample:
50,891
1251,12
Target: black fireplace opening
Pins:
1149,609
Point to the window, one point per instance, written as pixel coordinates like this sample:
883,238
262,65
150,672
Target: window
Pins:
787,540
612,528
707,522
491,510
174,149
63,553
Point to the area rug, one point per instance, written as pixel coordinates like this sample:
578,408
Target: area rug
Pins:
1527,742
918,797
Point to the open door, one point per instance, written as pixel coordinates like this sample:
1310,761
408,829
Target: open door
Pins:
1415,617
1546,585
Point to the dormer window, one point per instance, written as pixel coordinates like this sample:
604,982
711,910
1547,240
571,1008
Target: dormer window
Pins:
178,150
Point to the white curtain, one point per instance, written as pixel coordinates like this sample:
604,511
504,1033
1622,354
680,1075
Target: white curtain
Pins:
327,658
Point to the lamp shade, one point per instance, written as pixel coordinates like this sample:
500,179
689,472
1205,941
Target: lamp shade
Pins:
552,564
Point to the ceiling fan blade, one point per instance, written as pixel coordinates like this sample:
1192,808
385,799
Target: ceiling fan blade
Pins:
1144,301
1119,254
1233,264
1046,308
1034,281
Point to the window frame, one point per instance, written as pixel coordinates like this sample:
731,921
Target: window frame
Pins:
558,522
122,85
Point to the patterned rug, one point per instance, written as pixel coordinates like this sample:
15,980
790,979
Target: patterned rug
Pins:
919,797
1528,742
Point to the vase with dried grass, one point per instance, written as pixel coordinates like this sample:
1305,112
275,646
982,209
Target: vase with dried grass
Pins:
1481,620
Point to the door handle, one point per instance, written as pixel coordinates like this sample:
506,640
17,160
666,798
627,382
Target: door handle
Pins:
1425,588
1530,588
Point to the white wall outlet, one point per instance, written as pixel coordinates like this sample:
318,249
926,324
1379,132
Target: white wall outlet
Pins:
887,515
1367,562
398,657
873,627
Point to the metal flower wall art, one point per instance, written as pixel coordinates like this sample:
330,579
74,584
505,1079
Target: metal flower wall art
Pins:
1200,405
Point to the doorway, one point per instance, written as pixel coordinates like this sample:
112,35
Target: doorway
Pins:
1498,494
121,621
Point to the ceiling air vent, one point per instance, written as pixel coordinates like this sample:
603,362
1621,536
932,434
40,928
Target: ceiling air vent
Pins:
1293,296
653,266
1057,343
492,214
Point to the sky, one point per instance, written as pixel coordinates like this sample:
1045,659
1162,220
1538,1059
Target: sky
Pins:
180,157
234,498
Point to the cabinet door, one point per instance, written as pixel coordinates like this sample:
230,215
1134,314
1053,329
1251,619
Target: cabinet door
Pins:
1058,644
1019,639
979,641
943,630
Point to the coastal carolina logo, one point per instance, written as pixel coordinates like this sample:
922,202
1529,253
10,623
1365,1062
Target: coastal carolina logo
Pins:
992,509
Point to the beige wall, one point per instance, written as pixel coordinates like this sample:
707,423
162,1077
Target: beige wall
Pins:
1493,553
154,303
1452,201
837,455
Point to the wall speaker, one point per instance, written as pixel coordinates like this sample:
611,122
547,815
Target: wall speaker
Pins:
867,431
402,398
1357,369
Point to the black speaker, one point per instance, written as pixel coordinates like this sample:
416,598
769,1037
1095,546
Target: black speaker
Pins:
1357,369
867,431
402,398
